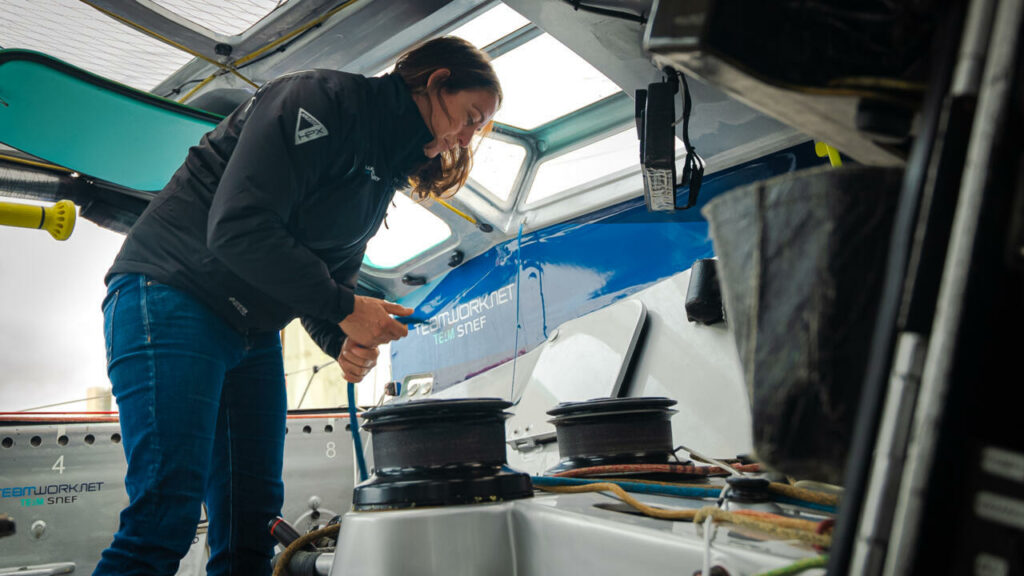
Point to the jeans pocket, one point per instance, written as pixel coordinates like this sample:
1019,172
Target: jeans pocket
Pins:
109,309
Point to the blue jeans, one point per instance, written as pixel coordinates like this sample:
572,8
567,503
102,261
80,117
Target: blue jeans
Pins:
202,419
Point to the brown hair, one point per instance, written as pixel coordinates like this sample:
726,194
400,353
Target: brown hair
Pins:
470,68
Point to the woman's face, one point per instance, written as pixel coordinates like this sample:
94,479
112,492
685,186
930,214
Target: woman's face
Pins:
453,117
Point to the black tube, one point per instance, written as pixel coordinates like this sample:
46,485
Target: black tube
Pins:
31,183
282,531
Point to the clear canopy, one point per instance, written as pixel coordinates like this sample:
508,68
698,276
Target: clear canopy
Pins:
492,25
228,17
495,167
543,80
85,37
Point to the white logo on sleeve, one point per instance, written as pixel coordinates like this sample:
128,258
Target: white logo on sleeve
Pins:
238,306
308,128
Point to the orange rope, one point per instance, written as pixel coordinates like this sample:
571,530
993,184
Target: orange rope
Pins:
787,528
654,468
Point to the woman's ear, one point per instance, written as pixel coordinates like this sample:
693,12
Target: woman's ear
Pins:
438,78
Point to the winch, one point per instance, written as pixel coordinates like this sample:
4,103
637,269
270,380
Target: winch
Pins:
609,431
439,453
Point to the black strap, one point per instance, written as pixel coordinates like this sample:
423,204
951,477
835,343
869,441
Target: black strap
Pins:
693,166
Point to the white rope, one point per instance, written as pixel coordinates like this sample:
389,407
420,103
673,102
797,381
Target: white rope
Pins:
64,403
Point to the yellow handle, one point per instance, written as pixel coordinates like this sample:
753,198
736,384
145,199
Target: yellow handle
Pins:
822,150
469,218
482,226
58,220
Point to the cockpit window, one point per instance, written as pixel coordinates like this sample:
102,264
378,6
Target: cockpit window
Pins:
490,26
227,17
543,80
495,166
411,230
583,165
588,164
483,30
85,37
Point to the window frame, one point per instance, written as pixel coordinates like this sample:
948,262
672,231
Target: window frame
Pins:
448,243
512,136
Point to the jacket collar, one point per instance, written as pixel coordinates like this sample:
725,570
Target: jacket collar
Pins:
405,132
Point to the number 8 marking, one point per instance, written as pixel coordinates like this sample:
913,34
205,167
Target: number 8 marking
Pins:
330,450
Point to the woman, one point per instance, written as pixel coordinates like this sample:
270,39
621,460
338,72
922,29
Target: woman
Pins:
267,220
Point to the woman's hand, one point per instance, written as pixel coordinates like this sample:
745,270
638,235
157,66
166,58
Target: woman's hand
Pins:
356,361
370,324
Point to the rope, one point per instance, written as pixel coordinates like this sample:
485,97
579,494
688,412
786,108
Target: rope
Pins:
704,458
316,370
825,527
69,402
651,511
708,530
205,81
639,488
655,468
782,527
353,426
804,494
797,567
465,216
784,521
270,46
45,165
785,494
621,479
281,567
515,345
692,492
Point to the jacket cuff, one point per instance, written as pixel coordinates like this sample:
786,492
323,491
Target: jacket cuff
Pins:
346,303
327,335
332,347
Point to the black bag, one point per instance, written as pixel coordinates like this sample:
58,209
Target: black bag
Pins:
801,262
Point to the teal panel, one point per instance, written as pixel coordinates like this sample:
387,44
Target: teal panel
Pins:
67,116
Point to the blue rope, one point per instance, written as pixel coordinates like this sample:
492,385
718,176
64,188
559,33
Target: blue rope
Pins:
805,504
515,348
664,490
353,425
638,487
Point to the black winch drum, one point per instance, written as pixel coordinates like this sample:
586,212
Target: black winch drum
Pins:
439,453
608,431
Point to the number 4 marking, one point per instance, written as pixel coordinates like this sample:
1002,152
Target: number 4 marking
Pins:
59,464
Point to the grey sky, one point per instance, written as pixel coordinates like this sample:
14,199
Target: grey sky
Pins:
51,327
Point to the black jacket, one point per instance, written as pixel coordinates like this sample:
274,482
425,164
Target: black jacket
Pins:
269,216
